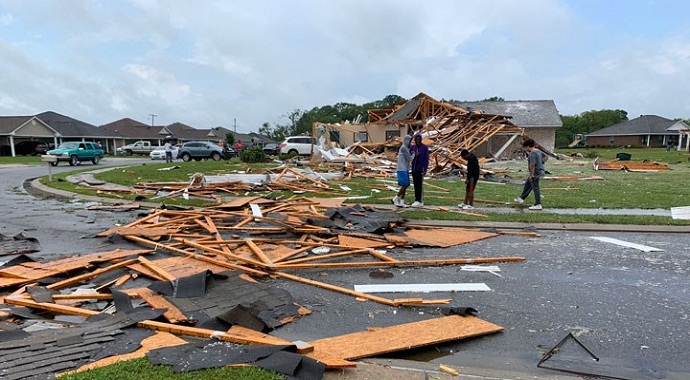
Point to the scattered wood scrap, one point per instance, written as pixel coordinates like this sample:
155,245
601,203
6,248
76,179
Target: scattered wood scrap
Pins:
630,166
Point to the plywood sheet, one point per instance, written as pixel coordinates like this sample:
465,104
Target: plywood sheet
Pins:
446,237
328,202
401,337
186,266
355,242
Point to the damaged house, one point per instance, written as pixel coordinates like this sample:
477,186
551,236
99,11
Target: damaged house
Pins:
489,128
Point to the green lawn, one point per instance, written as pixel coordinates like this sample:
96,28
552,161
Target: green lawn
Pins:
138,369
618,189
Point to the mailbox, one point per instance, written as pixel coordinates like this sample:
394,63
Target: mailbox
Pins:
48,158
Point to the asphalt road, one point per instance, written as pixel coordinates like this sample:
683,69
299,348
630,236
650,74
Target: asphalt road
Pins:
630,308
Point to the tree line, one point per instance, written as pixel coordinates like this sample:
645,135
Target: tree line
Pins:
299,122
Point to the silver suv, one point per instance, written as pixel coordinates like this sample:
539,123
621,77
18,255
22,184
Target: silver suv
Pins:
302,145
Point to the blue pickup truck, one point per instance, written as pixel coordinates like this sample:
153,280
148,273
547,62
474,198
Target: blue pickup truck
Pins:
75,152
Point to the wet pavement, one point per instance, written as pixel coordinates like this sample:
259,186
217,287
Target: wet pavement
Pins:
630,308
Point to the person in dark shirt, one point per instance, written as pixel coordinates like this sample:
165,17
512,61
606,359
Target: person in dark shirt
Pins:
420,164
471,180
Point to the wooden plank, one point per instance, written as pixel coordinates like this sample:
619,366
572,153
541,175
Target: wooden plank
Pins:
205,333
88,276
156,301
258,252
407,263
162,273
402,337
32,271
221,253
338,289
197,256
52,307
240,331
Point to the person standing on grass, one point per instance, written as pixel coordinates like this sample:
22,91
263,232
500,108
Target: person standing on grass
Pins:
420,164
471,180
168,151
536,171
403,171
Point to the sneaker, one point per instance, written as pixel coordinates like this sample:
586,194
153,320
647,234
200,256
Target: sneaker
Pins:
519,200
535,207
395,200
417,204
401,203
468,207
462,205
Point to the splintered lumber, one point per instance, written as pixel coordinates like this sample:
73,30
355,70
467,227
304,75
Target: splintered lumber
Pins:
220,263
406,263
206,333
156,301
401,337
338,289
52,307
32,271
222,253
88,276
158,340
239,331
147,232
160,272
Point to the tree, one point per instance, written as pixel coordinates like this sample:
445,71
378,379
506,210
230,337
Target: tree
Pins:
587,122
230,139
494,99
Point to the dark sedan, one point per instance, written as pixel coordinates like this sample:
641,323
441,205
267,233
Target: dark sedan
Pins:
272,149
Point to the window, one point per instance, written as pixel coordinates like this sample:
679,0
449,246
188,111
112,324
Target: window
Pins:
611,140
392,134
362,137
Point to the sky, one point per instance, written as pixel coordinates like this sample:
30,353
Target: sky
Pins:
239,64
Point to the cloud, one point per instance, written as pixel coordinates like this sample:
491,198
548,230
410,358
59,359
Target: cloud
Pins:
211,63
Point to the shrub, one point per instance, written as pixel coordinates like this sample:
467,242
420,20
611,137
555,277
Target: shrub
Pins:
254,154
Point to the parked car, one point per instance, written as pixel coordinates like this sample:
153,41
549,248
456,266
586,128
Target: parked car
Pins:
139,147
302,145
272,149
75,152
199,150
25,148
230,152
159,152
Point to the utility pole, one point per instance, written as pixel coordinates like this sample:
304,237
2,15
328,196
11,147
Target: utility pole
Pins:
235,124
153,117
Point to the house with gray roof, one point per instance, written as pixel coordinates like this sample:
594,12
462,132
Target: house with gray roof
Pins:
131,131
71,129
644,131
51,128
539,118
15,129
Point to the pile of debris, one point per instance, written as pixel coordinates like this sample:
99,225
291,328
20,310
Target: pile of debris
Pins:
629,166
446,129
203,280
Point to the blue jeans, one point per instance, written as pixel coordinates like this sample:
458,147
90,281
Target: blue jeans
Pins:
531,184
